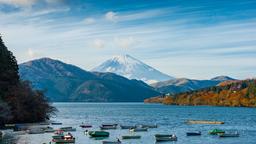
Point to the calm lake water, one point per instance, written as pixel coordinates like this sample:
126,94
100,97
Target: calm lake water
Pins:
170,119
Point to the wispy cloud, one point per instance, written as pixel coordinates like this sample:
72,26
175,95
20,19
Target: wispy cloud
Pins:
89,20
125,42
193,41
111,16
19,3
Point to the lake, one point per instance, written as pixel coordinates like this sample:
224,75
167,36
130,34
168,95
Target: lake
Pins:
170,119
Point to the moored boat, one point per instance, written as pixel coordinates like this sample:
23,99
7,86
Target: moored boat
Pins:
56,123
58,134
196,133
109,125
68,138
131,137
48,129
35,131
163,135
112,142
106,127
235,134
139,129
161,138
148,126
68,129
126,127
98,133
204,122
85,126
216,131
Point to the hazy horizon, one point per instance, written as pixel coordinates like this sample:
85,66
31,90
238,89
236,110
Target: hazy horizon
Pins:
199,39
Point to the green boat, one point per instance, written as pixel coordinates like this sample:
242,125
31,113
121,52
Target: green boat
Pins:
67,129
98,133
216,131
131,137
60,136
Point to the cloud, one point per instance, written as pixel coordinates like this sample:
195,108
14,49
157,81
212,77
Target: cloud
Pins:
89,21
31,53
99,43
111,16
126,42
19,3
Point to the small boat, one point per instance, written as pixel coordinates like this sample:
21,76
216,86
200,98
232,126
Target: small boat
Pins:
59,134
163,135
68,129
68,138
236,134
197,133
109,125
56,123
161,138
204,122
148,126
112,142
9,126
98,133
126,127
61,141
44,123
139,129
216,131
105,127
48,129
35,131
131,137
85,126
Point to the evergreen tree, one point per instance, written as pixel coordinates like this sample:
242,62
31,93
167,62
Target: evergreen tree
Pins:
18,101
8,69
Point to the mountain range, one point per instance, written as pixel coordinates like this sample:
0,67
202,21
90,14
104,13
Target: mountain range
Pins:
132,68
66,82
179,85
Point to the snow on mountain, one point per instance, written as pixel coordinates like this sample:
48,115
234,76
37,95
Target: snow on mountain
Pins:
131,68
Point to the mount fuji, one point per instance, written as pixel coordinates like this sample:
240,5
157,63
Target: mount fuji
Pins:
132,68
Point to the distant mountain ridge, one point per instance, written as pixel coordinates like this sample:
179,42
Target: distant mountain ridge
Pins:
65,82
179,85
132,68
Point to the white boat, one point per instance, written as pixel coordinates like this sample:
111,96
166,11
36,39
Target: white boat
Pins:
139,129
163,137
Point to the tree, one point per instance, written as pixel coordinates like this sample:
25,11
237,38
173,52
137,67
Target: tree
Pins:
18,101
9,74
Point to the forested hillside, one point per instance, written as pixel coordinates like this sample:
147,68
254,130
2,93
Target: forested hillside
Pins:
237,93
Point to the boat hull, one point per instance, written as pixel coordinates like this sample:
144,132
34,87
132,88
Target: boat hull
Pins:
131,137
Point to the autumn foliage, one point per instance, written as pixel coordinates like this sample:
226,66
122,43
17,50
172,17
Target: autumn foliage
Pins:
237,94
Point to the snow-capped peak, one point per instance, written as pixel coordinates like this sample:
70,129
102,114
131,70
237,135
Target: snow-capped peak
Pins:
132,68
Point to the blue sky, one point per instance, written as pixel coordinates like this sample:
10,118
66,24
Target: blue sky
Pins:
196,39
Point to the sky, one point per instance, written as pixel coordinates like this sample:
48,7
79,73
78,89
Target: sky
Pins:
197,39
